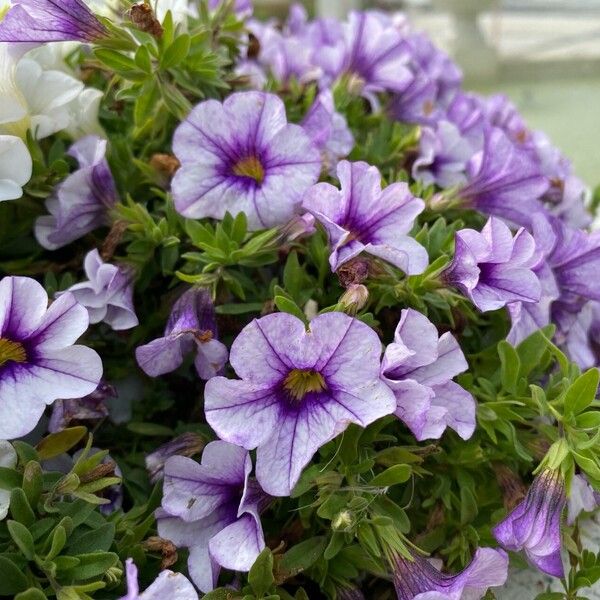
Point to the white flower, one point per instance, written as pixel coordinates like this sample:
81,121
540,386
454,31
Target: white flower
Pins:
15,167
180,9
8,459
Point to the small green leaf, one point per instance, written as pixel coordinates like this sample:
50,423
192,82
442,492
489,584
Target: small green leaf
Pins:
31,594
392,476
93,564
12,580
582,392
59,539
300,557
510,365
33,482
176,52
22,538
20,509
260,576
58,443
289,306
100,538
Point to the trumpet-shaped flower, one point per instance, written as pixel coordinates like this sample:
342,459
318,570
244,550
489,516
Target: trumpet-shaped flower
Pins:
494,268
243,156
15,167
81,203
191,327
419,579
361,217
534,525
419,366
298,390
108,293
213,509
38,361
50,21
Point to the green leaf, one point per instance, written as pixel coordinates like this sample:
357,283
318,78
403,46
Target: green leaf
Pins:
22,538
143,59
588,420
532,349
58,443
289,306
9,478
20,509
150,429
176,52
31,594
582,392
12,580
222,594
33,482
93,564
510,365
300,557
100,538
115,60
392,476
260,576
59,539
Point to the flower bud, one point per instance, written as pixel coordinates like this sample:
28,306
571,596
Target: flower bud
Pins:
354,298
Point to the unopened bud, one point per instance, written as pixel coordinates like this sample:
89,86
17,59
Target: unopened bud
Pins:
165,164
342,521
167,549
354,271
142,16
354,298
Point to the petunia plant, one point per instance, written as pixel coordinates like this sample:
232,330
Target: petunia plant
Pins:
286,312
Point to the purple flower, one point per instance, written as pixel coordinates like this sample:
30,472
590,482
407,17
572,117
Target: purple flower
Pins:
243,156
89,408
372,54
191,327
213,509
534,525
50,21
241,7
443,156
186,444
417,102
328,130
362,218
38,361
493,268
298,390
299,226
582,498
420,580
81,202
108,293
419,366
166,585
504,181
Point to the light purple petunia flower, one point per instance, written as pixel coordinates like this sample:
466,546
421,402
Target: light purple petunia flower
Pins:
81,202
298,390
582,498
534,525
243,156
493,268
417,103
328,130
504,181
38,361
241,7
108,293
213,509
186,444
419,579
90,408
166,585
50,21
362,218
419,367
443,156
190,328
372,53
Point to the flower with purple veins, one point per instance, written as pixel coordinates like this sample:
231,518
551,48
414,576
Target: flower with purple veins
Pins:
298,390
493,268
213,509
167,585
190,328
81,203
504,181
534,525
443,156
243,156
361,217
419,367
419,579
328,130
39,362
50,21
90,408
107,294
417,102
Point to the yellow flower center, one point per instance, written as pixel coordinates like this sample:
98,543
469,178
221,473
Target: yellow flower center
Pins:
3,11
10,350
300,382
250,167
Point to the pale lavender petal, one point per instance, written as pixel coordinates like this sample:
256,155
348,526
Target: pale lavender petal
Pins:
160,356
238,545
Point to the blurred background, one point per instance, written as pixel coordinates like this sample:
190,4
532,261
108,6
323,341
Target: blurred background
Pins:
543,54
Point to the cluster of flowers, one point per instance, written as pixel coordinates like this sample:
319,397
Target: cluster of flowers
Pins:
300,380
